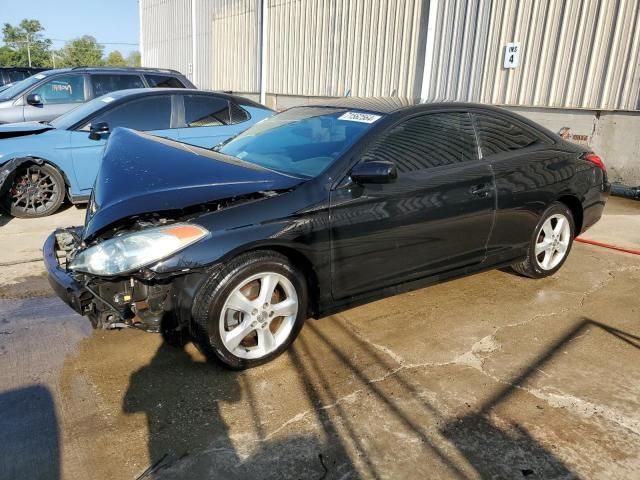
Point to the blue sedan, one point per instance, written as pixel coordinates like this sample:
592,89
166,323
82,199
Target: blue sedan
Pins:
42,163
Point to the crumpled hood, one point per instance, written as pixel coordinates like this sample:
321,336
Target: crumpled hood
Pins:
10,130
141,173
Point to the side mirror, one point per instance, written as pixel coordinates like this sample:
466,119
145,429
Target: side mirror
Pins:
34,99
97,130
375,171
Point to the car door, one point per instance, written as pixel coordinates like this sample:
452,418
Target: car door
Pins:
526,172
436,216
209,120
151,113
58,94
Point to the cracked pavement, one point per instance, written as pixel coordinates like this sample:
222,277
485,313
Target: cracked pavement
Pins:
489,376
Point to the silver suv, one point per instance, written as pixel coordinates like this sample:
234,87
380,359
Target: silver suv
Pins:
49,94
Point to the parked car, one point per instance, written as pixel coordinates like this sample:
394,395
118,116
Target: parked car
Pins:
44,162
47,95
315,210
11,75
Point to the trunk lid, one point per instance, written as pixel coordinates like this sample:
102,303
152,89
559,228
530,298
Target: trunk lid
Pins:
141,173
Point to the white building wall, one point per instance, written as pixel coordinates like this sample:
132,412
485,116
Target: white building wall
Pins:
165,37
573,53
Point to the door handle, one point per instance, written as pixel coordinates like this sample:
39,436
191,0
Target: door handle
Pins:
482,191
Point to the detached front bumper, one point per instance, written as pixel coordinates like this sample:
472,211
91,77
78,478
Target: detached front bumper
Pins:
62,281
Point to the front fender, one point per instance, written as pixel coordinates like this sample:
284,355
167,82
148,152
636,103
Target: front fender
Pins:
8,170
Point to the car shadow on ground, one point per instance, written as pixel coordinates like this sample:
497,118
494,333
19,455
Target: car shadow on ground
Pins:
29,434
189,438
5,218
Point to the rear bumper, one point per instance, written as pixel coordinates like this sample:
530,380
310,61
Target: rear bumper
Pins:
64,285
593,204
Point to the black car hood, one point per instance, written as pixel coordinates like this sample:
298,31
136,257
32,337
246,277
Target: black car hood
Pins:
10,130
141,173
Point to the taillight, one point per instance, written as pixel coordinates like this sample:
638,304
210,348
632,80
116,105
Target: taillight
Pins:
596,160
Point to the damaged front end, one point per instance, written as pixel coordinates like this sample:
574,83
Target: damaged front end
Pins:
109,279
152,209
109,302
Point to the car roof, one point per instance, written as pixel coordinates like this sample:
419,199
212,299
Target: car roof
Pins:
407,105
132,92
161,71
388,105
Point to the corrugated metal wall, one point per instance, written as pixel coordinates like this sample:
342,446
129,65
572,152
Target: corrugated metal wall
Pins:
234,47
166,34
574,53
330,47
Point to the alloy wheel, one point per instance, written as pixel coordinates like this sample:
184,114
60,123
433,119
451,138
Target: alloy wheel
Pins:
258,316
34,191
553,241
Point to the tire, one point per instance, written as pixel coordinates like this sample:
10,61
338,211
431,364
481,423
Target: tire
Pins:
559,242
36,191
260,334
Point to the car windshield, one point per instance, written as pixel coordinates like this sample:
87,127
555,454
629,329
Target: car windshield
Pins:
78,114
19,87
302,141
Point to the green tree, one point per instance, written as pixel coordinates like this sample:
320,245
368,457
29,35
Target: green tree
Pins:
25,41
81,52
115,59
7,56
134,59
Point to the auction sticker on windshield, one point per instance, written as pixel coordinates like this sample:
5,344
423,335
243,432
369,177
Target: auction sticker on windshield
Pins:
359,117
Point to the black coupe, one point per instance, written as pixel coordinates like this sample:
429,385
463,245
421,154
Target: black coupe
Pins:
315,210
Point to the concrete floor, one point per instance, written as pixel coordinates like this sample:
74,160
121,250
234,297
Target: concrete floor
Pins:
490,376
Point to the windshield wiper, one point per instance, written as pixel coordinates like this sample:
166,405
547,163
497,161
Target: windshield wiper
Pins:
216,148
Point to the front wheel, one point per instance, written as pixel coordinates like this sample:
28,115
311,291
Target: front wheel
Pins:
550,244
36,191
249,311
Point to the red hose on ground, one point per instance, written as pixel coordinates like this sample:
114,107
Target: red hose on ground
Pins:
606,245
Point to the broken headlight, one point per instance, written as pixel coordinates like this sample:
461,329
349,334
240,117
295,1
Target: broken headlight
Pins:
130,252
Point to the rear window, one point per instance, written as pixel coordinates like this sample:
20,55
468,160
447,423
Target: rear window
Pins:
163,81
106,83
17,76
497,135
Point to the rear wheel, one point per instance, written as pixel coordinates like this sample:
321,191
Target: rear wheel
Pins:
250,311
550,244
36,191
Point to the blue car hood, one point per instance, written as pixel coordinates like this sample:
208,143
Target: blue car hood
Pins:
141,173
10,130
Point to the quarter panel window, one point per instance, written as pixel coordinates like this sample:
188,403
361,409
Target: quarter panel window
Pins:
162,81
497,135
201,111
151,113
106,83
238,114
427,141
62,89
